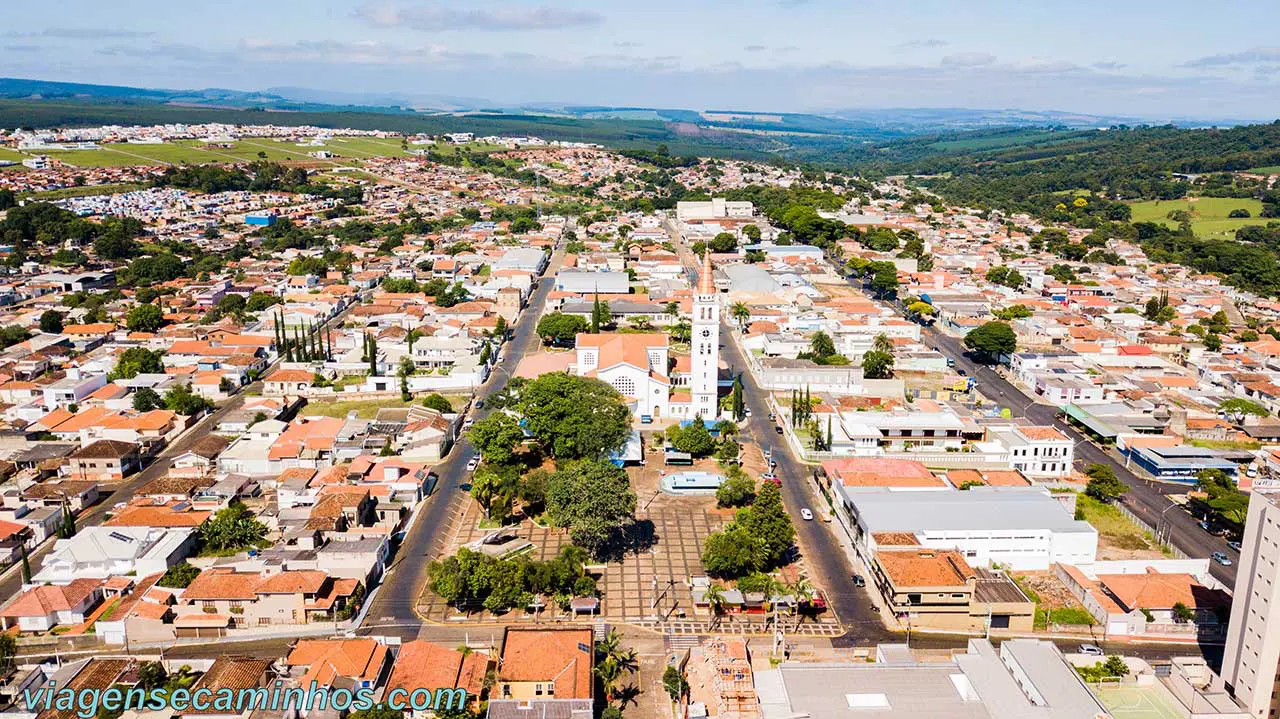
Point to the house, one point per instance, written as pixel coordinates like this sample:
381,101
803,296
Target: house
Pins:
427,435
423,666
938,589
74,494
254,599
201,459
544,672
41,608
105,460
1038,452
288,382
361,663
101,552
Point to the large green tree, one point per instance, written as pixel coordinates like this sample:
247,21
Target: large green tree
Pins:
560,328
145,318
575,417
992,339
496,436
138,360
594,501
231,529
768,520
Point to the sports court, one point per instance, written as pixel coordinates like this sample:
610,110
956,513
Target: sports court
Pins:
1134,702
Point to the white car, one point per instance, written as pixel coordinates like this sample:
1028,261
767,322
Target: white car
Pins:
1091,650
473,463
467,424
806,515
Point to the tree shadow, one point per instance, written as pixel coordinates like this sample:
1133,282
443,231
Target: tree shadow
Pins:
628,694
634,538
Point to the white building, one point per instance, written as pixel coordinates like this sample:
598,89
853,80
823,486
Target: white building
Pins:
101,552
1043,452
704,374
634,364
1251,660
717,208
1021,528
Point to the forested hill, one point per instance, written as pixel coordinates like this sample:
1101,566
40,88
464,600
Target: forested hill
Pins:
1020,169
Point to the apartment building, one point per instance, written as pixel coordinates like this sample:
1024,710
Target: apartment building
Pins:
1251,660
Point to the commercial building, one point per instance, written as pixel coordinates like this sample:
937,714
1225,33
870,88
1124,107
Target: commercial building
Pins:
716,208
1251,659
1024,678
605,283
1017,527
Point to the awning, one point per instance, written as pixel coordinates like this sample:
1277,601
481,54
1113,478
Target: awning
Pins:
1095,425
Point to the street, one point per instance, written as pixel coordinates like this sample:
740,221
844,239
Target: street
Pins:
392,606
1145,498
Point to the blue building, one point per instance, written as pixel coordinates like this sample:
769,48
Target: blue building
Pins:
260,219
1180,464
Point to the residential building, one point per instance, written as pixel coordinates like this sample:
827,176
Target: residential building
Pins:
938,589
101,552
544,672
1251,659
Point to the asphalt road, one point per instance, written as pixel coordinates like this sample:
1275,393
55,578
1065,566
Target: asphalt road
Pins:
392,609
1146,498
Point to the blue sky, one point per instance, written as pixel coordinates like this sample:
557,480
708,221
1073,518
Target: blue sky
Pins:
1174,58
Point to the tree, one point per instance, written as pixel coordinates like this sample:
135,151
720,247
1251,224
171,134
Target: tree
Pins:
1103,484
884,278
182,400
877,365
740,313
575,417
920,310
1007,276
821,345
230,530
144,318
438,402
138,360
992,339
179,576
1182,613
723,242
152,675
612,661
500,328
594,501
739,401
259,301
736,490
1238,408
752,233
26,564
672,679
693,438
733,552
1115,667
559,328
1157,309
767,520
1012,312
8,650
492,488
146,399
496,436
51,322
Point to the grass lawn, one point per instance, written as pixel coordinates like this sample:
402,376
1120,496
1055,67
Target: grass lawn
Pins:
368,409
7,154
1113,526
86,191
242,150
1208,214
1223,444
1272,170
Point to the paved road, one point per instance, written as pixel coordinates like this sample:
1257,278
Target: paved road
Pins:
392,609
11,580
1146,499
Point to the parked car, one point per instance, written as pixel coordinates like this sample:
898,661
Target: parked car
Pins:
467,424
473,463
1091,650
1221,558
770,476
806,515
1234,545
768,452
479,403
962,373
777,428
773,417
858,581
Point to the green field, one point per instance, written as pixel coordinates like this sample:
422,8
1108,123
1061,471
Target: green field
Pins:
1272,170
7,154
85,191
242,150
1208,214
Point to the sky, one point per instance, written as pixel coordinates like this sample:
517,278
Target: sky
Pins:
1139,58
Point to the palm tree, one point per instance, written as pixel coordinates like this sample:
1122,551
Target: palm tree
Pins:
672,309
803,592
715,597
740,312
883,344
613,660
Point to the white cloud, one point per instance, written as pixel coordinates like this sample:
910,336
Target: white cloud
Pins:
969,59
1251,56
435,17
923,43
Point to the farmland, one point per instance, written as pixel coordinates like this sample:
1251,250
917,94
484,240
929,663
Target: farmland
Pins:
1208,214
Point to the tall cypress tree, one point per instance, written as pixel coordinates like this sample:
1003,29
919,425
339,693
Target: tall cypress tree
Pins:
26,565
373,356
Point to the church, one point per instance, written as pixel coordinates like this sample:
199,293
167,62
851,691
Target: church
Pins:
638,365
